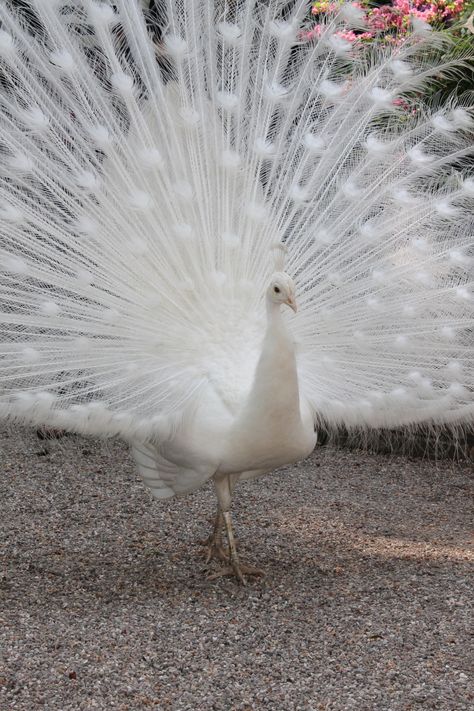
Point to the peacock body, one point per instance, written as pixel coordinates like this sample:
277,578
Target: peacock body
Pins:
152,166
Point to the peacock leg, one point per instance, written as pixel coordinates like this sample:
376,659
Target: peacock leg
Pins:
224,488
213,547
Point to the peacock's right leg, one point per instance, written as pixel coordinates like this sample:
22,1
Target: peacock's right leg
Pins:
213,546
224,487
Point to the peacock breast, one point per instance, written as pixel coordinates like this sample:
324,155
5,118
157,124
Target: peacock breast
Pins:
274,440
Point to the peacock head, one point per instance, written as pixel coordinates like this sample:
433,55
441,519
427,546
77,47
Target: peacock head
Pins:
282,290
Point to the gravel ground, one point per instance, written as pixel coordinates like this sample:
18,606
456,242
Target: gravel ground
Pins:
366,605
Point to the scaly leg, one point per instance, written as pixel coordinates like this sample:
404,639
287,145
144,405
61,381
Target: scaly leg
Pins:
224,488
213,547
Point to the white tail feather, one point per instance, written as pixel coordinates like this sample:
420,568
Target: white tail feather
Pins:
145,181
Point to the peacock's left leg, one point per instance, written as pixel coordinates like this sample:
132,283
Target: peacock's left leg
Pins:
224,487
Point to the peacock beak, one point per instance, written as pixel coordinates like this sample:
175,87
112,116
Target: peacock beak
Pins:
291,301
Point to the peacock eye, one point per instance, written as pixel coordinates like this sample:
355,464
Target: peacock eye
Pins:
276,290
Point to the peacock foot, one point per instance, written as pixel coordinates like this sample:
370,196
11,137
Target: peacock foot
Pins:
213,547
214,550
235,567
238,570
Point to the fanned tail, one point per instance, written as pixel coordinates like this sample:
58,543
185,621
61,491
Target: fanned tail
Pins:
146,176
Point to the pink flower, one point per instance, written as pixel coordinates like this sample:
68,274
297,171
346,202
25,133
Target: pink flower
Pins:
348,35
395,17
313,33
324,6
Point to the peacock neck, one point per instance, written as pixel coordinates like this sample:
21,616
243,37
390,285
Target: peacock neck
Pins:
275,393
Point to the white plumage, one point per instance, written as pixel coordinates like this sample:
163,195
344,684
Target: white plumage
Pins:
149,167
